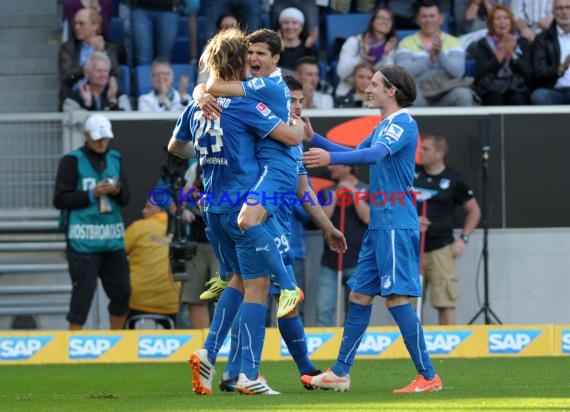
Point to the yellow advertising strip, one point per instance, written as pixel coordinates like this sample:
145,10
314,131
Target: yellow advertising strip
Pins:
322,343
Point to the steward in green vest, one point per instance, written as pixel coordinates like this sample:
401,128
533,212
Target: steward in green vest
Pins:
90,188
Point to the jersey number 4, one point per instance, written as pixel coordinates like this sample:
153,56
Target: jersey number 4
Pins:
206,130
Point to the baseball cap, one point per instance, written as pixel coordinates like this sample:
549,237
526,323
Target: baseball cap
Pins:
99,127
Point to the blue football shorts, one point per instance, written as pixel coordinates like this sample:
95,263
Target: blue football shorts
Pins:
275,187
388,263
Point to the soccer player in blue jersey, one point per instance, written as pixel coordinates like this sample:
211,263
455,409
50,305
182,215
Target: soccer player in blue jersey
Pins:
225,147
291,325
388,264
278,162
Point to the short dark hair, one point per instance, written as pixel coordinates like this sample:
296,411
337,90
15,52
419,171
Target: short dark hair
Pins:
428,3
293,83
267,36
439,142
306,60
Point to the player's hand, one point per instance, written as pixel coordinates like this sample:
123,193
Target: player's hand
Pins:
435,47
209,106
312,37
309,132
457,248
85,93
390,44
336,240
424,223
188,216
316,158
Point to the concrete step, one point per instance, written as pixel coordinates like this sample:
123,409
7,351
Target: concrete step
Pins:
19,82
26,6
29,65
29,101
34,20
48,48
25,36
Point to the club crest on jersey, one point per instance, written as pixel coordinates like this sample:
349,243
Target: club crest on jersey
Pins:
394,133
263,109
444,183
256,83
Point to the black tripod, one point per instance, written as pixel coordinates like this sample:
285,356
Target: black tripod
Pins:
486,311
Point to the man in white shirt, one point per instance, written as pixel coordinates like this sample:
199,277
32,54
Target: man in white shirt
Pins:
163,97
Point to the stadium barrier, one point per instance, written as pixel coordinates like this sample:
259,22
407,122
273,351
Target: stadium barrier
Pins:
323,343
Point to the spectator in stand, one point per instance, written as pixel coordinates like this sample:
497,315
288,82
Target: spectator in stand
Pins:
504,62
154,291
307,72
532,16
361,78
291,23
154,28
90,188
376,46
551,59
436,60
357,217
74,53
99,91
163,97
348,6
103,7
307,7
247,12
472,15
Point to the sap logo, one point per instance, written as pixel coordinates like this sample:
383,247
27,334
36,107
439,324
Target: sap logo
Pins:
21,347
314,342
90,347
566,341
511,341
374,343
160,347
439,343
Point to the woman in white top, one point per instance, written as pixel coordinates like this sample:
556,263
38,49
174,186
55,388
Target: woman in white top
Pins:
375,46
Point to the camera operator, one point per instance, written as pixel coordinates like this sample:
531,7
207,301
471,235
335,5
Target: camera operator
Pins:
89,189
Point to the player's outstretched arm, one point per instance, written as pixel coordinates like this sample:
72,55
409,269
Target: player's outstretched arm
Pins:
219,87
291,135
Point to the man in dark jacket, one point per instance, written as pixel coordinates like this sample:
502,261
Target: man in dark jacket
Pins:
551,59
89,189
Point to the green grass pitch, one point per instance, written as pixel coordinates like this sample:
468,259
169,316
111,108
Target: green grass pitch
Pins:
505,384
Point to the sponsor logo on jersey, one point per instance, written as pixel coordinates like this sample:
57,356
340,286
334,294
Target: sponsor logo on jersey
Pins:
444,183
90,347
263,109
256,83
375,343
444,343
160,346
314,342
21,347
394,133
566,341
511,342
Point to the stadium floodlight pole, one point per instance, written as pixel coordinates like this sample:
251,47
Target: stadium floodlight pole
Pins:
489,316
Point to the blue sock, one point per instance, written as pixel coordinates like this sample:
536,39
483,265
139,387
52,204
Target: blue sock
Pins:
357,321
267,250
293,334
413,335
226,310
234,358
252,329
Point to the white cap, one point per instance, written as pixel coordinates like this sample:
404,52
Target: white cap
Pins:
99,127
292,13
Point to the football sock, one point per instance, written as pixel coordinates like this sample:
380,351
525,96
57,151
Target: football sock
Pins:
293,334
267,250
357,321
234,358
224,314
252,329
413,335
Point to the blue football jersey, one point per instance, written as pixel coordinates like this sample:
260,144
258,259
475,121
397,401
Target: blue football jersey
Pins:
392,179
225,148
274,93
